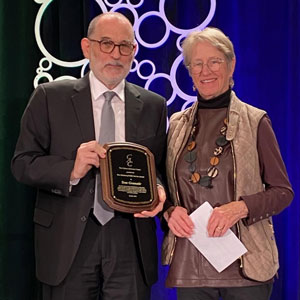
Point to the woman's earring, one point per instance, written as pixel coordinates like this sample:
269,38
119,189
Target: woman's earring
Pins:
194,89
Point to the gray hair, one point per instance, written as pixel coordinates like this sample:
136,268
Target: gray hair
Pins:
212,35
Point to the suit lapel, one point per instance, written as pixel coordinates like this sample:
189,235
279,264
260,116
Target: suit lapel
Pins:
82,103
133,108
84,112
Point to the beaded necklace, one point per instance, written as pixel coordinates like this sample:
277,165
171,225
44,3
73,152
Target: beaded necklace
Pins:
191,156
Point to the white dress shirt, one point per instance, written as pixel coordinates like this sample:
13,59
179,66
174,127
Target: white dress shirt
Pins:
118,105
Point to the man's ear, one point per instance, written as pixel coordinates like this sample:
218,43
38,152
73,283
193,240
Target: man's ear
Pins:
135,49
85,47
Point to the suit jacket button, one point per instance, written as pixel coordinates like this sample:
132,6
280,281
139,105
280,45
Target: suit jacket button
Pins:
92,190
56,191
83,219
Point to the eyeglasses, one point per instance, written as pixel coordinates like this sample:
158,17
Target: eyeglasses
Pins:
108,46
213,64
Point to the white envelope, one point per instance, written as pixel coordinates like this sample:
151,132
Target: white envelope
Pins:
219,251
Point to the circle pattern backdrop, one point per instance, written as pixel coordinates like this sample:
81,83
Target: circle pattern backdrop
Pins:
45,64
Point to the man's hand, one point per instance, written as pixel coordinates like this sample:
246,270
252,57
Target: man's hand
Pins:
151,213
179,221
225,216
88,155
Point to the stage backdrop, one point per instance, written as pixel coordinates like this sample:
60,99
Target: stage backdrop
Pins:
40,42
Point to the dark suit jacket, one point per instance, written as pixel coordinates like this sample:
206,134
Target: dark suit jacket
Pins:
57,120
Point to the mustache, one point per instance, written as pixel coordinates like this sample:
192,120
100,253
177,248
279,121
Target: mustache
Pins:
114,63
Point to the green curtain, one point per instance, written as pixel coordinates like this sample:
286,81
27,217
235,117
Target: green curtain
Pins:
19,58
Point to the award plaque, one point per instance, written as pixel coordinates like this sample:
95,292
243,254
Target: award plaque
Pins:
128,177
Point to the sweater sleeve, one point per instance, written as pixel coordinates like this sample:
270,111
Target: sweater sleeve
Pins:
278,192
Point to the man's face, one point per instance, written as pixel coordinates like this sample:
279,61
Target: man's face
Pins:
110,68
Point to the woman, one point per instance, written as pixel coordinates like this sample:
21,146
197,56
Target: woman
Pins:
223,151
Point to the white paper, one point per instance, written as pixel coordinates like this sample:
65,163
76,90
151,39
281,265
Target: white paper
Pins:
219,251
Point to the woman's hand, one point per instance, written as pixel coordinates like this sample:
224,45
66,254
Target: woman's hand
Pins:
225,216
179,222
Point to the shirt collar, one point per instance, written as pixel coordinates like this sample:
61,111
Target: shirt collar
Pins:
98,88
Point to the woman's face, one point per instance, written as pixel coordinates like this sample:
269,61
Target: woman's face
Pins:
213,80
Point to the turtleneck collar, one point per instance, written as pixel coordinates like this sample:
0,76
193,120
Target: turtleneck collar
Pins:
220,101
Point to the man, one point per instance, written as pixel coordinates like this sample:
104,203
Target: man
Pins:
78,257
